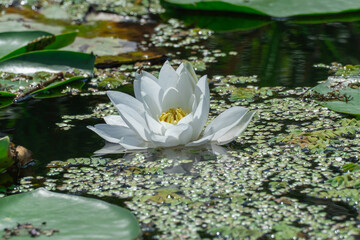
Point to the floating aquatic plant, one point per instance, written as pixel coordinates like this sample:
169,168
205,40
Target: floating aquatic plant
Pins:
167,112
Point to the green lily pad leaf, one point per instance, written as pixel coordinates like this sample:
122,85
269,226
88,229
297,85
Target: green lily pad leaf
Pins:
339,94
342,17
219,22
280,8
48,61
5,160
10,41
131,57
6,98
57,89
15,43
101,46
72,217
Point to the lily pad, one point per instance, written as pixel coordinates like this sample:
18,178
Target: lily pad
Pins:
131,57
5,160
339,94
57,89
6,98
280,8
15,43
48,61
72,216
219,22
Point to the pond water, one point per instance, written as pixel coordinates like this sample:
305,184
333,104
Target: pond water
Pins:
260,187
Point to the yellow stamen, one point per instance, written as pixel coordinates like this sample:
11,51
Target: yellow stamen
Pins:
172,115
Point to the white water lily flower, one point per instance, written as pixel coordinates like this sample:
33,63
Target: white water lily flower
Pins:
169,111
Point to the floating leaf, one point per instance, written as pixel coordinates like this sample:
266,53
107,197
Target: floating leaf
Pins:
339,94
57,89
101,46
219,22
74,217
280,8
15,43
6,98
48,61
10,41
5,158
131,57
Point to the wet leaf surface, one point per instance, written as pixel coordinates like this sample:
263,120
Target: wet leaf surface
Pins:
340,93
69,215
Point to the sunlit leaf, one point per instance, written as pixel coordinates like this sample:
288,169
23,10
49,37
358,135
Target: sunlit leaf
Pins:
15,43
340,95
74,217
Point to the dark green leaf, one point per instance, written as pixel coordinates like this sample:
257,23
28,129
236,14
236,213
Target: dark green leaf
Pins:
219,22
5,160
6,98
57,89
73,216
48,61
279,8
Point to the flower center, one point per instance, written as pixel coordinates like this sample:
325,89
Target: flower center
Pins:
172,115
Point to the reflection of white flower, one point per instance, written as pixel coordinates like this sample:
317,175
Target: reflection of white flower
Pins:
168,112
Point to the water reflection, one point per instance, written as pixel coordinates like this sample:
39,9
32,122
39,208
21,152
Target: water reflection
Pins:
181,159
282,52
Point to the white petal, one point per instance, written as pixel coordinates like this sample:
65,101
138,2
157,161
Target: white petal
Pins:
189,68
122,98
183,132
163,141
225,121
115,120
187,119
179,69
170,99
133,119
236,130
185,88
151,94
202,111
154,125
133,143
166,124
112,133
193,103
108,135
167,76
199,142
137,83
